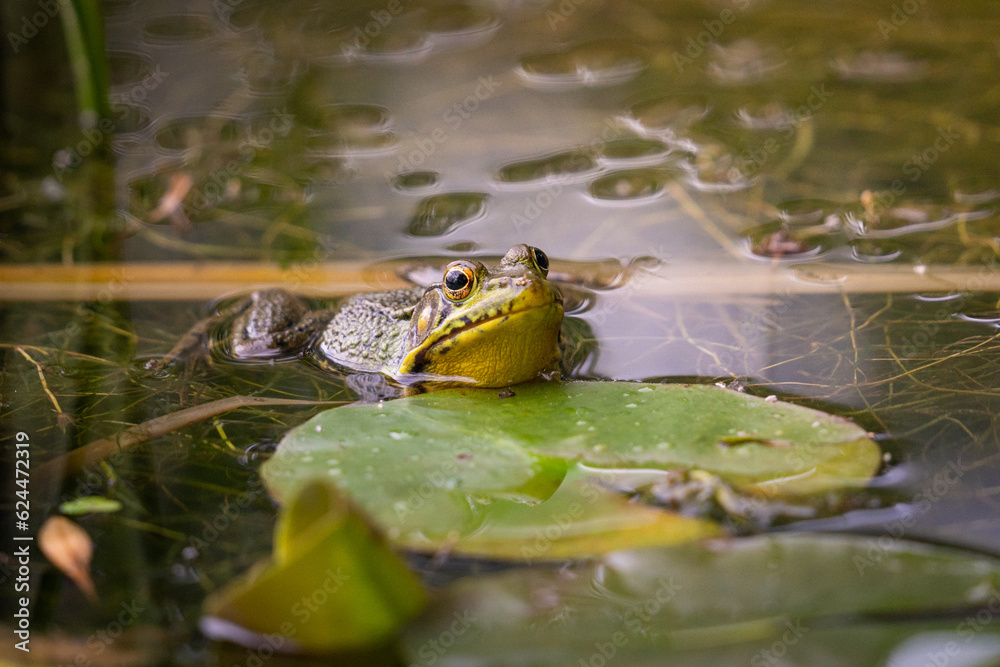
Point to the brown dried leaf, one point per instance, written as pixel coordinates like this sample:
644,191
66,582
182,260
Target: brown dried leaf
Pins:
69,548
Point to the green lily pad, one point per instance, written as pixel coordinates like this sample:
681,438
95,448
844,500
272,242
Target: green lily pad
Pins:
581,518
494,476
333,584
783,599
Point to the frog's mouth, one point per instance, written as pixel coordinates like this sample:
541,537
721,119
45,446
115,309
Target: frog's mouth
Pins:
495,320
504,348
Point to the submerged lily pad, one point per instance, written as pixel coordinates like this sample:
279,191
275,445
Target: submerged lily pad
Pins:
800,598
784,599
532,475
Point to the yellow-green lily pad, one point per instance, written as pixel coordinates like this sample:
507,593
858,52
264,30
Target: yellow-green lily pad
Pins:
490,475
332,585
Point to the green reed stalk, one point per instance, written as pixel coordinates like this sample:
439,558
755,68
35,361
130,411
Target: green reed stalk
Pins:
84,29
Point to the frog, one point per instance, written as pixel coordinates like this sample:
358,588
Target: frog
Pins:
485,326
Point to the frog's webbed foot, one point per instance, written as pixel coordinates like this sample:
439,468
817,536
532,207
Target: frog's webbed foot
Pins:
702,494
577,347
372,387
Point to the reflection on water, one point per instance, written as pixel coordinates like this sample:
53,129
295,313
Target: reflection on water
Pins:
555,102
732,140
439,214
584,65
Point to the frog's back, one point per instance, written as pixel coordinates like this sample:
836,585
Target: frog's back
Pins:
368,332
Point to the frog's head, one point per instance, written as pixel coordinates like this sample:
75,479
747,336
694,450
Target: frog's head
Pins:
494,327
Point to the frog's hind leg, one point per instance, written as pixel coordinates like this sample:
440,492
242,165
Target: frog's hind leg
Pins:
193,343
273,323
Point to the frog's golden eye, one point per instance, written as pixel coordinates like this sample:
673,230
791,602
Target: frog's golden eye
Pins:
541,260
459,280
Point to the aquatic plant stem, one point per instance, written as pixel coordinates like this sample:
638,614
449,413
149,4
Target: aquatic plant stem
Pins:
71,463
84,30
196,281
41,376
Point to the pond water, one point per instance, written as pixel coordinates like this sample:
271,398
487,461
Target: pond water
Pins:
800,197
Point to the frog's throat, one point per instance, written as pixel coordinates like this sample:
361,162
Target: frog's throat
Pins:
506,348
